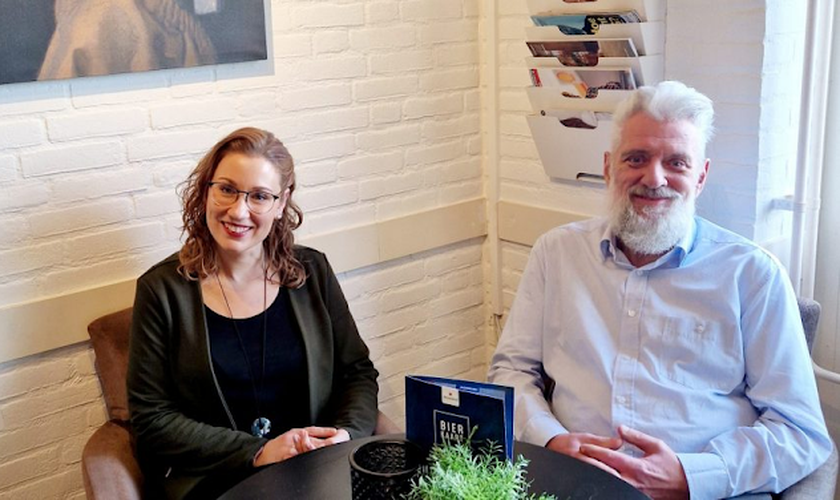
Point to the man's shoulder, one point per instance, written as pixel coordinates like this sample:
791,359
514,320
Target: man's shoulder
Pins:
712,238
585,230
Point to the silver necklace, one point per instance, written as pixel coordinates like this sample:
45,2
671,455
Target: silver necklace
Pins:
261,425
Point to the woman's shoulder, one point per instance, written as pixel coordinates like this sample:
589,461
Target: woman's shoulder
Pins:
164,270
309,256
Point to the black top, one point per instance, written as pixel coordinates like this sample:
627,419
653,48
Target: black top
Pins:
282,390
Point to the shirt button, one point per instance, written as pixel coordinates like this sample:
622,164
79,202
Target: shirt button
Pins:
621,400
631,313
700,328
640,273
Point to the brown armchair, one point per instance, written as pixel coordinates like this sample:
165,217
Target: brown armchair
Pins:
109,467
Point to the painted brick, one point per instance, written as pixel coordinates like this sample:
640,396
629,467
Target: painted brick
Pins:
434,154
456,302
406,203
438,105
21,133
333,120
15,231
71,158
8,168
286,46
331,42
456,127
31,377
42,432
389,138
428,10
60,485
320,149
401,62
463,191
315,174
450,261
384,87
116,241
448,32
382,279
22,195
395,321
385,112
330,15
376,188
170,143
316,96
328,197
33,98
381,12
28,467
156,204
20,412
455,79
367,165
80,217
193,113
333,68
96,185
410,295
190,82
383,38
97,124
171,172
449,366
457,54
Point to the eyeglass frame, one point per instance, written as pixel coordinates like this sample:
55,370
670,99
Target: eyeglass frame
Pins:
247,195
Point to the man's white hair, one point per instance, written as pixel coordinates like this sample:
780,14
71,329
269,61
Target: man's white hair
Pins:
667,101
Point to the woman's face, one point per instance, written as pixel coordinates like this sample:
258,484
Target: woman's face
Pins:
236,229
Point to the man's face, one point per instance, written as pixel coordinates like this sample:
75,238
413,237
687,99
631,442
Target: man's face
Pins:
654,176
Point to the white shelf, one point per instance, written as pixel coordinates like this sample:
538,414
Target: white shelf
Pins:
649,38
646,69
648,10
568,153
548,98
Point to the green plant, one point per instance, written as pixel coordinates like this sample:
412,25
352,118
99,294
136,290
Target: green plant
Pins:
456,474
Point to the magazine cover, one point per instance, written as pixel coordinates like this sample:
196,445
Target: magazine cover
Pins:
442,410
584,24
583,82
584,52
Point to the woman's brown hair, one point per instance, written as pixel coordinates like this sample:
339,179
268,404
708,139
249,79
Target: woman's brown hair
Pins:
198,255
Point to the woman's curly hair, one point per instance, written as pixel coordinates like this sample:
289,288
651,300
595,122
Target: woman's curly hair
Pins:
198,254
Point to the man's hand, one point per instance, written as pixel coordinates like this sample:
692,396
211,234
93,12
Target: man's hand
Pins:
658,473
570,444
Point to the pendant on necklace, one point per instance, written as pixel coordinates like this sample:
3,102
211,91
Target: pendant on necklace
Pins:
261,427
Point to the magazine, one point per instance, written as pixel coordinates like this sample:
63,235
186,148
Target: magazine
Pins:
584,52
583,82
442,410
584,24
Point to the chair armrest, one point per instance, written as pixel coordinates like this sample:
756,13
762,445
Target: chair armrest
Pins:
109,467
819,484
385,425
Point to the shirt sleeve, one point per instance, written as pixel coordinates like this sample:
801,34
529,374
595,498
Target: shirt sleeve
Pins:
789,440
517,361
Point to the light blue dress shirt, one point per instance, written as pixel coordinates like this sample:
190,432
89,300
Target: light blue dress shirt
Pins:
703,349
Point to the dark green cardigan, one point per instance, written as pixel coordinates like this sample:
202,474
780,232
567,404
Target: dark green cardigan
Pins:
178,414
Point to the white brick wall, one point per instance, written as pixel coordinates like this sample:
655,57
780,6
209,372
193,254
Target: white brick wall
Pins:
378,103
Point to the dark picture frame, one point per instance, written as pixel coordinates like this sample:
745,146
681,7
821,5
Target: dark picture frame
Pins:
59,39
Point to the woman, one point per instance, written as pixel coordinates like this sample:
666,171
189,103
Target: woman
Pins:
243,351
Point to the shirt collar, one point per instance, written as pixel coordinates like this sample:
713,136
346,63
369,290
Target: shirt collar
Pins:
673,258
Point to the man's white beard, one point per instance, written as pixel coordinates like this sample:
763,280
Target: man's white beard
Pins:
656,230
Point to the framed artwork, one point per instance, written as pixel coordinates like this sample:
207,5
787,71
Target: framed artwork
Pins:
58,39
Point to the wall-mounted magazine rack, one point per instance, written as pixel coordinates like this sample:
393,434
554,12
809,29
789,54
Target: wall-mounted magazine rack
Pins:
646,69
648,38
569,153
648,10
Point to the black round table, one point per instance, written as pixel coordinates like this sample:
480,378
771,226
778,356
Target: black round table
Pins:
325,475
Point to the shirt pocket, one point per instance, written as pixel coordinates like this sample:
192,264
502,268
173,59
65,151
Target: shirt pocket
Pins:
699,354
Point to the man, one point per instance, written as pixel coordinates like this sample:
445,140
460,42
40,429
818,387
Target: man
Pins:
676,346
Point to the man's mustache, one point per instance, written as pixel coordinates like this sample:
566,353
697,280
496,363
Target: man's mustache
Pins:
661,192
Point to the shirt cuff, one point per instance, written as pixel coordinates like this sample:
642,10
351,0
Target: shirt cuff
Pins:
540,429
706,475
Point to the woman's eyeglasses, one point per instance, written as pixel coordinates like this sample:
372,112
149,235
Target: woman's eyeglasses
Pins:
258,200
